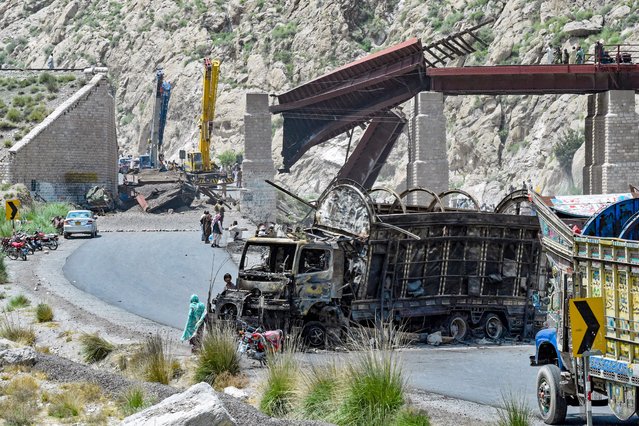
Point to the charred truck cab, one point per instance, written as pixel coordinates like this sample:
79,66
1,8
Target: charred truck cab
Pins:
284,282
428,267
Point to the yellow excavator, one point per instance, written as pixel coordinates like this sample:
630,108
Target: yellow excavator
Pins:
199,168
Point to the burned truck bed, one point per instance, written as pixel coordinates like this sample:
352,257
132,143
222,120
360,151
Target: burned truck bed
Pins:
463,265
424,265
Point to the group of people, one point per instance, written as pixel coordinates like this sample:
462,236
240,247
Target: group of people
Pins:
198,316
556,56
212,225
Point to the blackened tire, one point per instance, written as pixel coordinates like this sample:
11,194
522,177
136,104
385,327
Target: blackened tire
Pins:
66,235
228,312
314,334
493,326
458,327
552,404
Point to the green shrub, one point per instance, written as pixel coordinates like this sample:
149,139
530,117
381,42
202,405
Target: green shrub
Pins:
375,389
227,158
319,396
64,405
568,144
46,77
157,363
38,114
11,329
21,101
218,354
4,276
19,301
44,312
515,411
14,115
284,31
280,389
7,143
95,348
408,417
133,400
6,125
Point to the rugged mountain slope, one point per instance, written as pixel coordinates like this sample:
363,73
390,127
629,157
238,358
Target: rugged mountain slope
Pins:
275,45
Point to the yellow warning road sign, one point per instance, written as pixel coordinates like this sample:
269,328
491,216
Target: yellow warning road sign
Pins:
11,208
587,325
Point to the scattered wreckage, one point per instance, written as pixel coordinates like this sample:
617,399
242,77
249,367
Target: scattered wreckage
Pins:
428,268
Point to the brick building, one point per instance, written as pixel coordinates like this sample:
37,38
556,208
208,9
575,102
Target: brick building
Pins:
72,149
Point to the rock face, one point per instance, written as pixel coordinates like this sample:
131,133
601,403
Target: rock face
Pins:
197,406
492,141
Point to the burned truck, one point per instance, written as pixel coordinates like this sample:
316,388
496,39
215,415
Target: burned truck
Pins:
426,267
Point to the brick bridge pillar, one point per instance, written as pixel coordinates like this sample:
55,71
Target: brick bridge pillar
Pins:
427,158
598,141
588,152
258,200
621,153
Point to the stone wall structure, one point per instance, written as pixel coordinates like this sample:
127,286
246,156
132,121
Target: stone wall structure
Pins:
258,200
73,149
427,157
612,143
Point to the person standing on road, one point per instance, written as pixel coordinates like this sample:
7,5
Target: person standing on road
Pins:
193,329
202,224
207,227
217,230
221,211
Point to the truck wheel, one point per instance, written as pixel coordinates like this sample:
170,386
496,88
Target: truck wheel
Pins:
228,312
65,235
552,405
493,327
458,327
314,334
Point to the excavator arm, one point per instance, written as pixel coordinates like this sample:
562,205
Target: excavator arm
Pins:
211,77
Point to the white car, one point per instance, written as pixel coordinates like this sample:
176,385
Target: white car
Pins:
80,222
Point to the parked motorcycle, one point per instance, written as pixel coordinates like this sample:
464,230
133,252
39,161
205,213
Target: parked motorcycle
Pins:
14,248
257,343
47,240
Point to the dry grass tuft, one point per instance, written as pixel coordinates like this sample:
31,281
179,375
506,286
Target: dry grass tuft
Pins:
226,379
12,330
64,405
44,312
95,348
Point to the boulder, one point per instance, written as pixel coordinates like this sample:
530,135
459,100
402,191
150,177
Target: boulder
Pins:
21,356
7,344
584,28
197,406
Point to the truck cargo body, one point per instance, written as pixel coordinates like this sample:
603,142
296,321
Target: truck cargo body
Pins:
591,266
428,268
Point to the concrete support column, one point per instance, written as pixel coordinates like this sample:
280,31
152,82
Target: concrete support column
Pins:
621,150
588,154
598,142
258,200
428,161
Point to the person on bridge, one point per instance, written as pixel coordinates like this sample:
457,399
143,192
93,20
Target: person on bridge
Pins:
573,55
580,56
549,54
557,55
193,329
50,63
566,56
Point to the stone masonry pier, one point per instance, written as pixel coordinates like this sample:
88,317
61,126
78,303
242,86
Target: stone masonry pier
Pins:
73,149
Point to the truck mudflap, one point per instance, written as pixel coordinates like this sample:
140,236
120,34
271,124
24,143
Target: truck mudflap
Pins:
622,400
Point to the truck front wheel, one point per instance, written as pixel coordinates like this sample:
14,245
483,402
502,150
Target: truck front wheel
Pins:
552,404
314,334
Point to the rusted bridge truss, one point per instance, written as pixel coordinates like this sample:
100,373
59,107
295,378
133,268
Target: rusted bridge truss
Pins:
366,91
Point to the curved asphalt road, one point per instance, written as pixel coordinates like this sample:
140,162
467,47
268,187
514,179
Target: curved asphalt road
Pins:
154,274
149,274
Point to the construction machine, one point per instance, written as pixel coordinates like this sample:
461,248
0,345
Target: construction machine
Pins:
160,110
199,168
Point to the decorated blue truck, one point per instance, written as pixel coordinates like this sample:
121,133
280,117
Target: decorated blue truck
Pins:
594,263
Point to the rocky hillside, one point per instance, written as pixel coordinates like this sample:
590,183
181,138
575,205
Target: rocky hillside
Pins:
275,45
